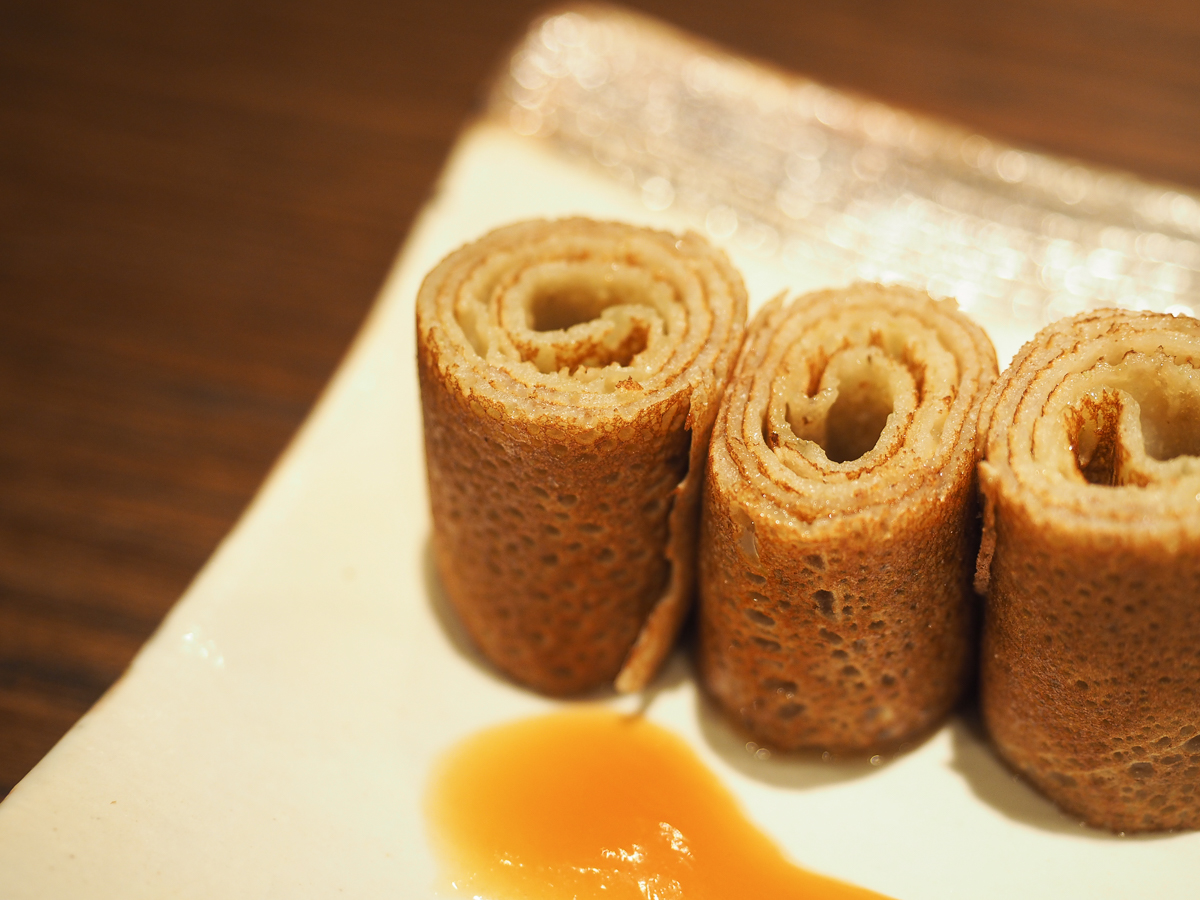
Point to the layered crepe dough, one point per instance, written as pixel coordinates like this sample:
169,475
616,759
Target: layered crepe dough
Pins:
839,530
570,373
1091,560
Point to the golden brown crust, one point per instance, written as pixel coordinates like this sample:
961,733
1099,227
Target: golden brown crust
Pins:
1091,658
569,374
835,606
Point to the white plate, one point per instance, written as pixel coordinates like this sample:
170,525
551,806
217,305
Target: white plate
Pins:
275,736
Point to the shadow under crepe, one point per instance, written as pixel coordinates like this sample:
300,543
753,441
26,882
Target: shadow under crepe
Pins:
796,770
995,784
456,635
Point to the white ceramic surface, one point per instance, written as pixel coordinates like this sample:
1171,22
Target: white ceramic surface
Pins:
274,738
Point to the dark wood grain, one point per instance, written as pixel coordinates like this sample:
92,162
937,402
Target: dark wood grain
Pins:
199,201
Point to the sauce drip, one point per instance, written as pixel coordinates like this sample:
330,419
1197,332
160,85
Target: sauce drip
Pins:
589,805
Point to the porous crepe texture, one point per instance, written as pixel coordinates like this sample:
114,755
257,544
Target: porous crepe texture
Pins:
570,372
1090,682
836,609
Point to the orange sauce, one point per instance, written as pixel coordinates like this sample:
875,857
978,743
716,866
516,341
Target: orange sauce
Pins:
591,804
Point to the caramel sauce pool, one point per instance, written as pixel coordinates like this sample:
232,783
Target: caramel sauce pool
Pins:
598,805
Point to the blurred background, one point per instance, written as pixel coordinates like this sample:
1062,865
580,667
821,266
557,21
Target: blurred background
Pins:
199,201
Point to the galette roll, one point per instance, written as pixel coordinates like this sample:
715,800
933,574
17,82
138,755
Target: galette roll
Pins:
570,373
1090,678
839,524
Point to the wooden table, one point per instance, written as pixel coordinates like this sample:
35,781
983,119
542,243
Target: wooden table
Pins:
199,201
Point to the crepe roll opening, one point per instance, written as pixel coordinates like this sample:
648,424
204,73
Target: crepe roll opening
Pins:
854,399
1149,415
588,315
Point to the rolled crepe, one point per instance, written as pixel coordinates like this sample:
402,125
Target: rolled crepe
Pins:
570,372
1091,562
839,530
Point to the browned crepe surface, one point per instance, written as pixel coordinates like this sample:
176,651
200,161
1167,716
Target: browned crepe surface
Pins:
835,599
1091,560
570,373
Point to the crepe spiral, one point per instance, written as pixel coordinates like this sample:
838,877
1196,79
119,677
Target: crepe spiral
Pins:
1091,561
838,528
570,372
